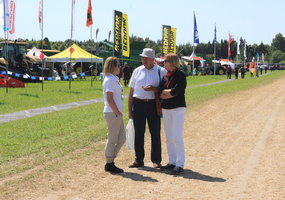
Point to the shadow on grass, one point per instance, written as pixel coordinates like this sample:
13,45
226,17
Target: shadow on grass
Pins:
28,95
70,92
137,177
189,174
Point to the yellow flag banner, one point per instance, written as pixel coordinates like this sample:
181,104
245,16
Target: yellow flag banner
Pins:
117,32
125,36
166,34
172,41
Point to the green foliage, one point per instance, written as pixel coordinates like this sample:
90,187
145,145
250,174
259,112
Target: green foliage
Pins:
203,49
278,43
277,56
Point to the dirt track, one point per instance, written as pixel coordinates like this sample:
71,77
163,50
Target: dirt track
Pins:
232,152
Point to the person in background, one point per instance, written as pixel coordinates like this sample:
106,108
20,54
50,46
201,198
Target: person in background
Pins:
126,74
242,71
236,72
229,72
142,107
172,93
113,100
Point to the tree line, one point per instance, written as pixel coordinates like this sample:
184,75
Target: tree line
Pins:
274,53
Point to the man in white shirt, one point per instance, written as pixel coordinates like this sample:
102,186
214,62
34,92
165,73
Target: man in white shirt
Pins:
142,107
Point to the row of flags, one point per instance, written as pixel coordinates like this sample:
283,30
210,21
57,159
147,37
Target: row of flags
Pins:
8,13
121,35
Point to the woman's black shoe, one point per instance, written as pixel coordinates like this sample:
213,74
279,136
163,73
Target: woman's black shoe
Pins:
177,170
111,167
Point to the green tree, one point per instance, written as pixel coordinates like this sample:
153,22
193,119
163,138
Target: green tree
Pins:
278,43
277,56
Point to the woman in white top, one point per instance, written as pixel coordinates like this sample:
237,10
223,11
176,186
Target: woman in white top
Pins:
113,99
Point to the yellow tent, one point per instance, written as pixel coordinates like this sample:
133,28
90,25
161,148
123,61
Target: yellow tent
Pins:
78,55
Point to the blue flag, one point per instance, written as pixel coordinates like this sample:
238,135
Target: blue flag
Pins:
257,57
196,37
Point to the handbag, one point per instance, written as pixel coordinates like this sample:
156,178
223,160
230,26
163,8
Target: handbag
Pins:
158,105
130,134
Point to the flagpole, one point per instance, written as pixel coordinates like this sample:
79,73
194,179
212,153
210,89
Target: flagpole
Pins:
215,41
71,29
91,55
193,60
42,44
5,37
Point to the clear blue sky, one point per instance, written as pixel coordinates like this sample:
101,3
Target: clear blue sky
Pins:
255,20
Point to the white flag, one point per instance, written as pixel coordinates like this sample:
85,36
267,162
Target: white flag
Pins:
41,14
244,51
238,52
72,16
11,32
4,14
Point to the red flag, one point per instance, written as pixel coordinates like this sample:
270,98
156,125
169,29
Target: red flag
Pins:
229,45
89,21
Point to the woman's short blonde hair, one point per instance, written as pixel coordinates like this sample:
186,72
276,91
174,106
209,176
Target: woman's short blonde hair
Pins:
173,59
110,64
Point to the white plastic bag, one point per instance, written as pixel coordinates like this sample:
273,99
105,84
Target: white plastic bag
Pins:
130,134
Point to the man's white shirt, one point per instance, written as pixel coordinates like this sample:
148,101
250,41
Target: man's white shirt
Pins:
142,77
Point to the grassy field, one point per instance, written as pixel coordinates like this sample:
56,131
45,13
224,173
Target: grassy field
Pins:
29,142
58,92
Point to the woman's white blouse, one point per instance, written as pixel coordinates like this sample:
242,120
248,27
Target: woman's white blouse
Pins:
112,84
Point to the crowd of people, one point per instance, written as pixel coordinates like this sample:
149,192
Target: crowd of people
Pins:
155,93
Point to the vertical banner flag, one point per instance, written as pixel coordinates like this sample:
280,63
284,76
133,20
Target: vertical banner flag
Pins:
196,37
109,35
125,36
172,40
12,19
72,17
244,52
215,36
229,45
97,30
117,32
5,15
166,37
40,13
257,57
238,41
262,57
89,21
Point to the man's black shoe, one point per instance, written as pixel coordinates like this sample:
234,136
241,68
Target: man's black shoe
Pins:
166,167
156,165
136,165
111,167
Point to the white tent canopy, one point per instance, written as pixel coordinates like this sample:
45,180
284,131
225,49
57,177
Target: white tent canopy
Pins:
35,52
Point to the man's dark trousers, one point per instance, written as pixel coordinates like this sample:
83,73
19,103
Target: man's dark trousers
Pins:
142,112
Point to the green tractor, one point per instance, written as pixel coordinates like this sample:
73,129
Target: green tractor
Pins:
14,55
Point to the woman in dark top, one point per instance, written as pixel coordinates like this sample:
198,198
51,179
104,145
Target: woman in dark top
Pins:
172,93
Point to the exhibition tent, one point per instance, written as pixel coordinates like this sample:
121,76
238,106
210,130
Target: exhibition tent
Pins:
74,54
